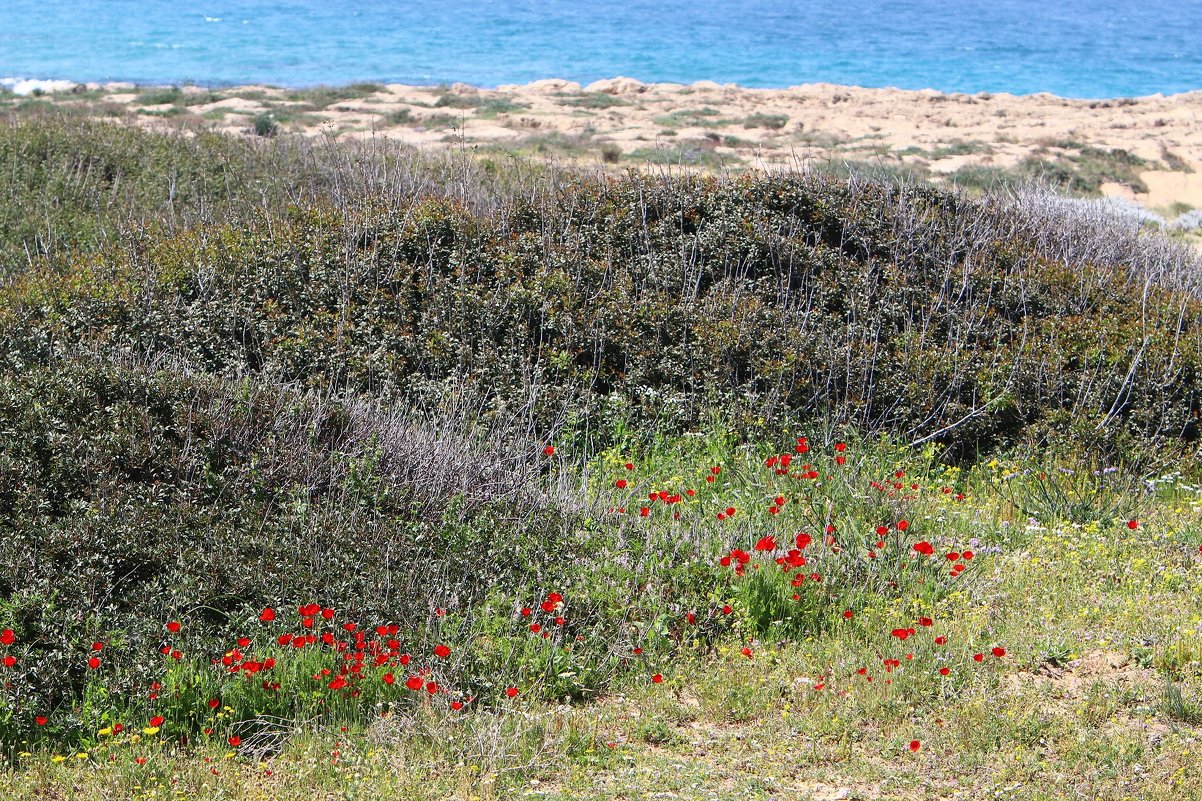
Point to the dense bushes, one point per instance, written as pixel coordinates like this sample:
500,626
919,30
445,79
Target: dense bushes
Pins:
769,299
129,497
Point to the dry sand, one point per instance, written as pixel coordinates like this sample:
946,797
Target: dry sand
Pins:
709,125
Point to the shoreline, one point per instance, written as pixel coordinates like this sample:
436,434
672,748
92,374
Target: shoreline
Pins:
25,86
1145,152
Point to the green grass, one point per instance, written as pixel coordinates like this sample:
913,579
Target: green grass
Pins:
595,100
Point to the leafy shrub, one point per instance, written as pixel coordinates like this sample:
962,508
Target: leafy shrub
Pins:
265,124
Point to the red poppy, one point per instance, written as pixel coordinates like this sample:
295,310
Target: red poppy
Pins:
41,720
415,683
94,662
432,687
620,483
389,678
925,548
902,525
998,652
925,621
657,679
803,540
915,745
1133,524
9,661
456,705
549,450
644,511
978,657
943,671
235,741
840,446
214,703
730,511
157,720
7,637
747,653
629,465
267,615
97,646
726,610
767,543
941,640
511,692
848,614
173,627
442,651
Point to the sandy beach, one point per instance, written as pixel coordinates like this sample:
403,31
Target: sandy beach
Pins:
1147,150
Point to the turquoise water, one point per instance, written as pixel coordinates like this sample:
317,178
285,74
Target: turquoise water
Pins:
1076,48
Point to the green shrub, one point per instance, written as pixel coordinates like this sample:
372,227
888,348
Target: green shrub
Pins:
265,124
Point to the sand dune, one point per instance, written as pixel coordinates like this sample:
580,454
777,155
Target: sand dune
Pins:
1146,149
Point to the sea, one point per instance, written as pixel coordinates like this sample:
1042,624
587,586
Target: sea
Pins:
1073,48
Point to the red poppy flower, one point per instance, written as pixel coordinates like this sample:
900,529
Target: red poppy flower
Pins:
388,678
730,511
620,483
747,653
173,627
7,637
629,465
267,615
840,446
415,683
549,450
767,543
456,705
925,548
941,640
9,661
978,657
1133,524
511,692
432,687
157,720
998,652
442,651
726,610
943,671
94,662
97,646
41,720
644,511
915,745
657,679
235,741
214,703
925,621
